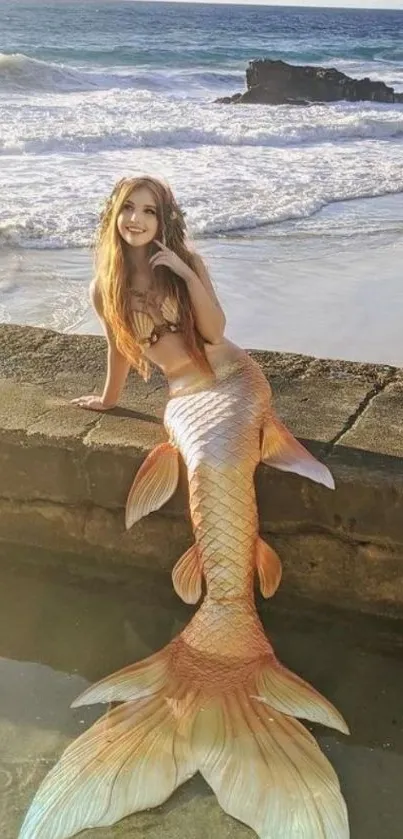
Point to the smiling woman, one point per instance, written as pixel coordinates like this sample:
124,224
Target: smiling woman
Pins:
133,265
137,222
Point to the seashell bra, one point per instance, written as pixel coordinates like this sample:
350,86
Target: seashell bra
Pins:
147,331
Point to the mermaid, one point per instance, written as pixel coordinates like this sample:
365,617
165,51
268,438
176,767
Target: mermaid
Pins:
215,699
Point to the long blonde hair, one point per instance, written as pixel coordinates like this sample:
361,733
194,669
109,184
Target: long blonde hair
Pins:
112,275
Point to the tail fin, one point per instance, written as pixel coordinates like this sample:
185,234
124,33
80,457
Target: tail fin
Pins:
131,759
268,771
283,451
238,731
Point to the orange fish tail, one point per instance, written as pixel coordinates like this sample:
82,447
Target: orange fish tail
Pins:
191,708
215,700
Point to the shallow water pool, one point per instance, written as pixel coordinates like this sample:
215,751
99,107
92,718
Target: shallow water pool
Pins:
62,628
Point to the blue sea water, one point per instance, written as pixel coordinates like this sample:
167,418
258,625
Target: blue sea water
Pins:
91,91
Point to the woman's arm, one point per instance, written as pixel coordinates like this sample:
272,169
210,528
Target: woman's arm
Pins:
117,366
210,318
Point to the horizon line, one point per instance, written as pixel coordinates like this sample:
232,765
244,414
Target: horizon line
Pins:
299,6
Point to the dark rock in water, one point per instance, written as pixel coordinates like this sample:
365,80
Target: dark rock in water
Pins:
277,83
227,100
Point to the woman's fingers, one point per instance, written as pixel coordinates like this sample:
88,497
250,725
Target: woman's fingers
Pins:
163,260
171,260
159,255
91,403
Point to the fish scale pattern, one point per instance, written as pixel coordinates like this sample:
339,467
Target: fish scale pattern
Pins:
215,699
222,637
218,434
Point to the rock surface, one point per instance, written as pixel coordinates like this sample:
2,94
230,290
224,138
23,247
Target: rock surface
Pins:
65,473
278,83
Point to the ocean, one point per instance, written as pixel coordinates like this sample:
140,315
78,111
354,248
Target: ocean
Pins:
298,211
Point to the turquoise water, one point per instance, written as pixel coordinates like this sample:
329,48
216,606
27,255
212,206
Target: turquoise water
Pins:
112,33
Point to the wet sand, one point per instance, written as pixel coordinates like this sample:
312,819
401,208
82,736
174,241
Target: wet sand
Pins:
328,286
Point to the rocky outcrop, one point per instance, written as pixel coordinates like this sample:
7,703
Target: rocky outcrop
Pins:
278,83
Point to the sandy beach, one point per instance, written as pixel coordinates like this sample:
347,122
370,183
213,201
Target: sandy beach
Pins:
328,286
298,211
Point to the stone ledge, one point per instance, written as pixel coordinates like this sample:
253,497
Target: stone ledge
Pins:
65,473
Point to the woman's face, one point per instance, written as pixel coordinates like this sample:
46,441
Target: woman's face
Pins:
137,221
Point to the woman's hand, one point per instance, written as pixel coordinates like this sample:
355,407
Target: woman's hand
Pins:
92,403
171,260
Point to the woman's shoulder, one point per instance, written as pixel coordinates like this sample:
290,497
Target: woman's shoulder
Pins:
96,297
196,258
199,265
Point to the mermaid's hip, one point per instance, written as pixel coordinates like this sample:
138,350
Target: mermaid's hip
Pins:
217,420
225,361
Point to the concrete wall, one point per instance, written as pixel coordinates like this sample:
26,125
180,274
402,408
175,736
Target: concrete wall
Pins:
65,472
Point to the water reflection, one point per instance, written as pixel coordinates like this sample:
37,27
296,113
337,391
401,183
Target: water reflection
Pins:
59,631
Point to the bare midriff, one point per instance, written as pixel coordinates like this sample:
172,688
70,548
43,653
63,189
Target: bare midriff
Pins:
172,357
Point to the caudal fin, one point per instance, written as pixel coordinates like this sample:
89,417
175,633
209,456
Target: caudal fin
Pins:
185,709
268,771
131,759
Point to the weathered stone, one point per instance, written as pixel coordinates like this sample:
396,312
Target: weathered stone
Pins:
339,572
20,405
53,526
366,506
379,427
277,83
42,471
302,407
95,531
65,473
